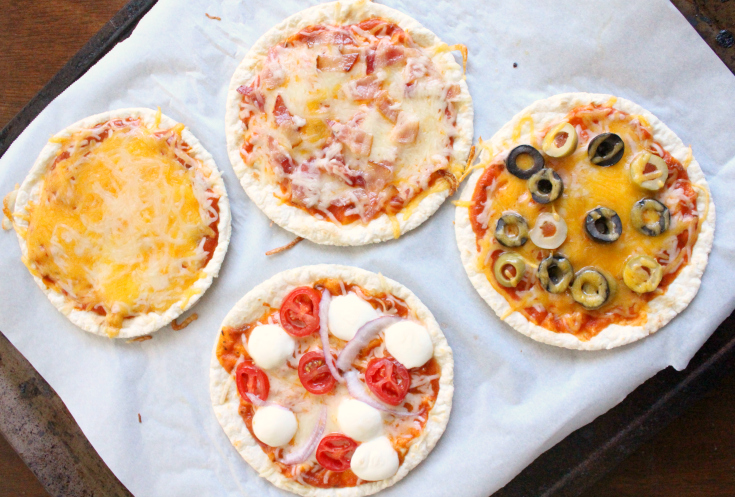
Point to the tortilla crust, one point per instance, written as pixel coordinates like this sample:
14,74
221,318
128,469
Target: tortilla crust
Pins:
146,323
225,399
294,219
662,309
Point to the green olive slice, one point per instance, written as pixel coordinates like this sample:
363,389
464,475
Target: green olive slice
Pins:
649,171
560,141
511,230
555,273
545,186
509,269
606,149
549,232
590,288
650,217
642,273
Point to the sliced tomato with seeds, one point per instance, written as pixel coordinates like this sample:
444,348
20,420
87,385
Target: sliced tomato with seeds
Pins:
314,373
388,379
250,379
300,312
335,452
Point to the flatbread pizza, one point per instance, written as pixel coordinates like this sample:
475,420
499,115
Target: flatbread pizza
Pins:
346,423
349,123
123,221
587,223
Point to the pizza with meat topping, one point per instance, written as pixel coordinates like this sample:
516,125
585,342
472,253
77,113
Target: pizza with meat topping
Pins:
587,223
123,221
331,377
349,123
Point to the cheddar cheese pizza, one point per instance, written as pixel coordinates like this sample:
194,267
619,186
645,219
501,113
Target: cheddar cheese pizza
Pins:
349,123
587,223
331,380
123,221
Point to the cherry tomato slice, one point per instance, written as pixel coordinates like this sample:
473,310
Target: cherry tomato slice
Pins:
314,373
251,379
388,379
335,452
300,312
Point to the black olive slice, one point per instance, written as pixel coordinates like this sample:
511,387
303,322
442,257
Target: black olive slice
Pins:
511,230
555,273
524,173
590,288
546,186
606,149
603,225
650,217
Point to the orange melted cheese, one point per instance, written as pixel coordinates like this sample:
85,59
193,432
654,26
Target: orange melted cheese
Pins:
586,187
122,226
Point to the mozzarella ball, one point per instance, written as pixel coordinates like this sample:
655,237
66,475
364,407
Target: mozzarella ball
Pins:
358,420
347,313
274,425
270,346
375,460
409,343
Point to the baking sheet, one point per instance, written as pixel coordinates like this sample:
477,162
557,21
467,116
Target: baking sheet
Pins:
514,398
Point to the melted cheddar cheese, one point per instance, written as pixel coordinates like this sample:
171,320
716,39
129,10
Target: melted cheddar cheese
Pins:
586,187
123,224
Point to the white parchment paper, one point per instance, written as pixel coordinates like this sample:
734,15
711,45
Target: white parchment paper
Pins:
514,398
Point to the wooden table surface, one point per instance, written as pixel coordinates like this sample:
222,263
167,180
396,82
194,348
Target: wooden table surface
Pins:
694,456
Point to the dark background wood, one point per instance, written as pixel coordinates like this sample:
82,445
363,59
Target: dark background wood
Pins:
693,456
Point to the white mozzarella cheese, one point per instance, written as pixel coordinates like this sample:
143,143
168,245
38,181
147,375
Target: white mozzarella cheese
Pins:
359,421
274,425
375,460
270,346
409,343
347,313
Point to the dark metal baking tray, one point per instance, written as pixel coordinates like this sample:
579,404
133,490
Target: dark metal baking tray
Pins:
38,426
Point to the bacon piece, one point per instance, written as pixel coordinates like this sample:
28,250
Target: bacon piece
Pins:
388,54
279,156
336,63
273,74
406,129
388,107
416,67
281,114
364,88
321,35
357,140
370,62
453,92
252,96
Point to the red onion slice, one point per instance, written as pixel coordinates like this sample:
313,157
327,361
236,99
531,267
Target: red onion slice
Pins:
367,332
302,453
258,402
357,390
324,333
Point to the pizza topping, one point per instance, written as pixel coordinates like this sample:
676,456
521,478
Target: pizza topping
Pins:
650,217
300,312
359,421
555,273
406,129
270,346
274,425
524,161
603,225
347,314
336,62
375,460
335,452
362,338
358,141
649,171
549,232
590,288
388,379
509,269
606,149
511,230
409,343
545,186
366,88
314,373
387,107
357,390
304,451
560,141
324,333
251,381
642,273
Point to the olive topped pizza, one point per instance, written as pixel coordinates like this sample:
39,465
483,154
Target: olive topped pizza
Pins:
587,223
349,123
331,377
